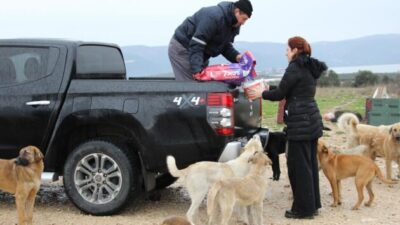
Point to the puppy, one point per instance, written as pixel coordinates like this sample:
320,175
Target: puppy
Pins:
247,191
21,176
276,145
198,177
339,166
176,220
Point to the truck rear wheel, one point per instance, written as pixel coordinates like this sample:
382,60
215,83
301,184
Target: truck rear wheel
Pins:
100,177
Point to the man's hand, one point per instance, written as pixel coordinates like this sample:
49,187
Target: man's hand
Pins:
238,58
197,76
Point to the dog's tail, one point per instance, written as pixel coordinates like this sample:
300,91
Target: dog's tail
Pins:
348,122
212,194
173,170
379,174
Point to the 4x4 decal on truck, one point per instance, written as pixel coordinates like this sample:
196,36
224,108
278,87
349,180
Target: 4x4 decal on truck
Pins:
188,101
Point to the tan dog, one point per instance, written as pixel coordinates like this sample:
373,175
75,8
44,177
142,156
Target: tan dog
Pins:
247,191
382,141
340,166
21,176
391,149
198,177
358,134
176,220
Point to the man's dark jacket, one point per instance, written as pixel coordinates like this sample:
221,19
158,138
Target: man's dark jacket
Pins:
298,86
208,33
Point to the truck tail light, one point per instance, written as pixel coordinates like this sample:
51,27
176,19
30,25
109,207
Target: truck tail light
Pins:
220,113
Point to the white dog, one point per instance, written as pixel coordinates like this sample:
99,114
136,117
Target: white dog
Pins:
246,191
198,177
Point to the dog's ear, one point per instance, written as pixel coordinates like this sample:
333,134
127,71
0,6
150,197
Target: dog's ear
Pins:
253,157
324,149
38,154
391,130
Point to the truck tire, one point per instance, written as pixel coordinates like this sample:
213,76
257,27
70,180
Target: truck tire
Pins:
100,177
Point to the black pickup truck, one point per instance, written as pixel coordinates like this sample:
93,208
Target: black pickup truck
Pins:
108,136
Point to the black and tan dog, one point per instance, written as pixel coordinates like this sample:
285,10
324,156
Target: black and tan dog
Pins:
21,176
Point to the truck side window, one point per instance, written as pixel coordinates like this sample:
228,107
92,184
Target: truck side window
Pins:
22,64
99,62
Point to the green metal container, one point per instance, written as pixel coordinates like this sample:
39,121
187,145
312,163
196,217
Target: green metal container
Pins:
383,111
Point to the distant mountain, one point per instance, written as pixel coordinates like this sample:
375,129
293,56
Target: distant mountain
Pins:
370,50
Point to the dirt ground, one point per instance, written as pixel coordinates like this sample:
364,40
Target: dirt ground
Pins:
54,208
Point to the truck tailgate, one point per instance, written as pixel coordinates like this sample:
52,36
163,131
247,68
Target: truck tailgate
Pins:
248,115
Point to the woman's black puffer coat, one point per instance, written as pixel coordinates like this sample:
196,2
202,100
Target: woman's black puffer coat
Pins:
298,86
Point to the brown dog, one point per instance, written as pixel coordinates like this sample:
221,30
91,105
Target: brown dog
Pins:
339,166
21,176
176,220
247,191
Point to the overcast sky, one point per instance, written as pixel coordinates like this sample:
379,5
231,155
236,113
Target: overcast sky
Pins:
152,22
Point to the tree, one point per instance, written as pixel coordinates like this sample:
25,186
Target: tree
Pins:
365,78
386,79
397,80
328,79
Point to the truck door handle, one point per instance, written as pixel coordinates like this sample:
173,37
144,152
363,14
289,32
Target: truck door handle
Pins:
36,103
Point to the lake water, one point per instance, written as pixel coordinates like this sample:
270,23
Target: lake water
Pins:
390,68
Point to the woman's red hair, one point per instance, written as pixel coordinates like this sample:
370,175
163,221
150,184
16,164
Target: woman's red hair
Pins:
303,47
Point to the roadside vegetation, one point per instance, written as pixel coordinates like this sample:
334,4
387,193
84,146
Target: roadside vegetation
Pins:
341,92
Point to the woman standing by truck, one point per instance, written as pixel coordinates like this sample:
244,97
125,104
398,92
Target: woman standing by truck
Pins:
304,125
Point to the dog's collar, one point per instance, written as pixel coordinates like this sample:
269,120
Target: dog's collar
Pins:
266,141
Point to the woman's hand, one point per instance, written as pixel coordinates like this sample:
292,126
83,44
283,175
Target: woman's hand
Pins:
255,93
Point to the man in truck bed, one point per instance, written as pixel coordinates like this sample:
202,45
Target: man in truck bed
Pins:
208,33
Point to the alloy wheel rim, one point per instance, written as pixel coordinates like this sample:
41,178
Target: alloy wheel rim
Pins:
98,178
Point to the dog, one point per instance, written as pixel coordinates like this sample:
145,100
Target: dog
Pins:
391,149
176,220
340,166
21,176
333,116
357,133
246,191
381,140
276,144
199,176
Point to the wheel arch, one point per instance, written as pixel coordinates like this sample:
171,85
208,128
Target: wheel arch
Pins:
111,125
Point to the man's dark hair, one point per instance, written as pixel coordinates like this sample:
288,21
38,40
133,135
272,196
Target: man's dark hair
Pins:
244,6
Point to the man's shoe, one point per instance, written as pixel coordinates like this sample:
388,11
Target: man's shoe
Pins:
294,215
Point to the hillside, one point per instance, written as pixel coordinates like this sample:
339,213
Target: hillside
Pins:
371,50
